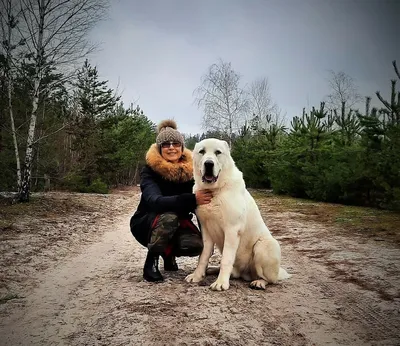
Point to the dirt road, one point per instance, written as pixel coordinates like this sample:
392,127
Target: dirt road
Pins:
73,276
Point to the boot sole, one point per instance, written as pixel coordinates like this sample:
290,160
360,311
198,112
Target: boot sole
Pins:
151,279
172,269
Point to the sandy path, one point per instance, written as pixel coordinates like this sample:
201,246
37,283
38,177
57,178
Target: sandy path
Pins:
98,297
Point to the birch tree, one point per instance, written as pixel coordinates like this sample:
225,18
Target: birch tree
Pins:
222,99
263,111
342,89
10,13
56,33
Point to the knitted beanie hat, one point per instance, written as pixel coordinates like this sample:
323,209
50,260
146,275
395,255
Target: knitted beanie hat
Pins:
167,132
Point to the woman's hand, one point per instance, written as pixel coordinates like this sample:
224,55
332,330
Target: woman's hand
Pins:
203,197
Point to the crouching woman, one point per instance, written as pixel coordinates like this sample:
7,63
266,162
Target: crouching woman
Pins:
163,219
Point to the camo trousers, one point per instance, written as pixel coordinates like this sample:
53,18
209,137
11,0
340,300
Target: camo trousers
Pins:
178,237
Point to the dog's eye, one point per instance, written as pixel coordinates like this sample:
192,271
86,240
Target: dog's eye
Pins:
217,152
202,151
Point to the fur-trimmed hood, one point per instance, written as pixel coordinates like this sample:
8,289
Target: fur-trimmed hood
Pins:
176,172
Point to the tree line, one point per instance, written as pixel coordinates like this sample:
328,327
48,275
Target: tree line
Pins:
334,152
62,127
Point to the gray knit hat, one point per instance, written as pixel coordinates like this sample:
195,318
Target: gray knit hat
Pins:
167,132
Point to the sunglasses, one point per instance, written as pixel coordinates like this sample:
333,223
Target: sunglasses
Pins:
165,145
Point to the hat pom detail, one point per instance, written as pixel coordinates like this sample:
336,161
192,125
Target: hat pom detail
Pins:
166,123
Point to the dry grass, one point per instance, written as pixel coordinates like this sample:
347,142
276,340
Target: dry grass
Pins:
367,221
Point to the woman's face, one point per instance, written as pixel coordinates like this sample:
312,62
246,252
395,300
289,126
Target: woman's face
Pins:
171,151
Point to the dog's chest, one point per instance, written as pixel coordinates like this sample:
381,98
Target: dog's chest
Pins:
211,220
211,211
215,217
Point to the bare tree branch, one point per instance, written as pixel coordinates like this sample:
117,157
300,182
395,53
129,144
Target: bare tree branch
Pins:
396,69
8,24
263,111
55,29
55,7
50,134
31,37
223,100
343,89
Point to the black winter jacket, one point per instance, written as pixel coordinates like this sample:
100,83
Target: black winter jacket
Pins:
166,187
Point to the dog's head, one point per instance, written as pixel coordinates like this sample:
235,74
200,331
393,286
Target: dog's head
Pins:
211,157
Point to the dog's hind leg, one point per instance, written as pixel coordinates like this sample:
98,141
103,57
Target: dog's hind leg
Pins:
212,270
267,260
235,274
259,284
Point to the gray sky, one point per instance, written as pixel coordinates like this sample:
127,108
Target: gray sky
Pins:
157,50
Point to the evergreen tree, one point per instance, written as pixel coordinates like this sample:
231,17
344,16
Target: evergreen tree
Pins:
311,129
124,142
348,125
94,102
191,140
95,99
381,142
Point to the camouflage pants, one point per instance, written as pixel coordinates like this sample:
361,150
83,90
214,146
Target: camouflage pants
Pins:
163,229
178,237
187,240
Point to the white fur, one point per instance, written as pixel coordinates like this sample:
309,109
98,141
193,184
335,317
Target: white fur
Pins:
232,221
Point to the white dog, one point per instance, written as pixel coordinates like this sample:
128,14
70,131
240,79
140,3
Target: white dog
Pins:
233,222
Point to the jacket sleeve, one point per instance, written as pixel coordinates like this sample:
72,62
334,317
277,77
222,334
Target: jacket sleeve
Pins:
151,194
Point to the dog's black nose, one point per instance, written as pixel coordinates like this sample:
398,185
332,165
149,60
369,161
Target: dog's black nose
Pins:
209,164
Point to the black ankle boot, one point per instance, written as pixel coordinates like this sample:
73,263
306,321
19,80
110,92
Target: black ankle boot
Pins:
170,263
150,270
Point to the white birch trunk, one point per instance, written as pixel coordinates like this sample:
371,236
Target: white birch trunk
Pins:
24,192
56,33
9,47
14,135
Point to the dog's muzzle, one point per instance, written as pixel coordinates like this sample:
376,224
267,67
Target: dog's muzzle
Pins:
208,176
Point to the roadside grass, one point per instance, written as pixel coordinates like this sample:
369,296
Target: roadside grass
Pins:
362,220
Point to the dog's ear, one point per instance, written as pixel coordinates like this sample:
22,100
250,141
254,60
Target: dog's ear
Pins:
226,145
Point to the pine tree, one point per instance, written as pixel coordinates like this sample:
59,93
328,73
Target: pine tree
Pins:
95,99
94,103
381,140
311,128
392,108
349,125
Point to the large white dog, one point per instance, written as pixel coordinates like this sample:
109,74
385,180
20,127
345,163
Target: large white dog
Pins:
232,221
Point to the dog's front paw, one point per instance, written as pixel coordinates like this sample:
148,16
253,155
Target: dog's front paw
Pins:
194,277
220,285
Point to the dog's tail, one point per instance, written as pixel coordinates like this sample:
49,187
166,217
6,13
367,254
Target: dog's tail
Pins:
283,274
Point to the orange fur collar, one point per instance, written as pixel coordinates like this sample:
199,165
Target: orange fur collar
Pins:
176,172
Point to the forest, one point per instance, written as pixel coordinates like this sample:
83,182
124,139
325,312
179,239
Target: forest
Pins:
63,127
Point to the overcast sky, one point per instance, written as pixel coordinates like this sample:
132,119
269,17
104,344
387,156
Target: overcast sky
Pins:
157,50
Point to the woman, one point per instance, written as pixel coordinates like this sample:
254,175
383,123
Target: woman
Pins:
162,221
